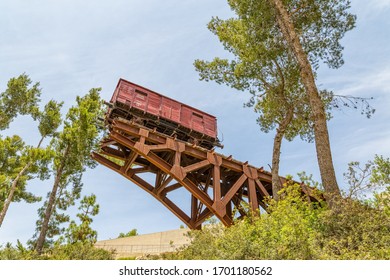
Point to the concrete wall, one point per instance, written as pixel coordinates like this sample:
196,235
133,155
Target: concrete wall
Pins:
153,243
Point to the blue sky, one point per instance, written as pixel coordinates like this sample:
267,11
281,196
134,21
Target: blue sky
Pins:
71,46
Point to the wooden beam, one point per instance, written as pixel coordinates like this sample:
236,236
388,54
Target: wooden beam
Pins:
113,153
236,201
164,200
177,211
129,161
253,201
194,209
141,182
202,196
217,191
170,188
233,190
122,140
106,143
261,188
106,162
196,166
159,162
135,131
159,188
206,213
142,170
157,148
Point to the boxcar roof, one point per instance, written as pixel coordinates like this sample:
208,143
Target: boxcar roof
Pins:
134,84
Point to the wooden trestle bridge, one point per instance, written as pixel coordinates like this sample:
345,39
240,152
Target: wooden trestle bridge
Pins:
218,185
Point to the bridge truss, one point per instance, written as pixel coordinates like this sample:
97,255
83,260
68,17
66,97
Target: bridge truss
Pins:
218,185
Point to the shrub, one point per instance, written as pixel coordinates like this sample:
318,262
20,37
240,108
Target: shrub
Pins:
76,251
295,228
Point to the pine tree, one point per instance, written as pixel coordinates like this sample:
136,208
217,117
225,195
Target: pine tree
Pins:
83,232
72,147
34,161
266,36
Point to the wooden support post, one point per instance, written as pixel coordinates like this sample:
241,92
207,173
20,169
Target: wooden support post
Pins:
253,200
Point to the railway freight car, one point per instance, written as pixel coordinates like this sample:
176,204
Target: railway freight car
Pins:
167,116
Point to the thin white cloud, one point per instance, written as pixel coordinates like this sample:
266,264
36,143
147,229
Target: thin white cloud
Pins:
367,84
370,147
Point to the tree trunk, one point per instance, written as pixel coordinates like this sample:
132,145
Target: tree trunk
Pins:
14,187
276,183
50,205
324,155
12,192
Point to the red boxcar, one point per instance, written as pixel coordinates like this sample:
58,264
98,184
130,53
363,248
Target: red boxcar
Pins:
168,116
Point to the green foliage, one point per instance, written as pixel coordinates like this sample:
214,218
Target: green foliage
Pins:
14,156
381,171
79,136
57,220
269,73
295,228
354,230
19,252
11,148
19,98
363,180
358,180
72,147
320,24
127,258
285,233
18,160
132,232
50,118
67,157
381,177
83,232
264,65
24,162
309,180
76,251
10,155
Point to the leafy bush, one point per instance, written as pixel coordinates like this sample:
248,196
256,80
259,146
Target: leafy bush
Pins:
76,251
354,230
295,228
132,232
